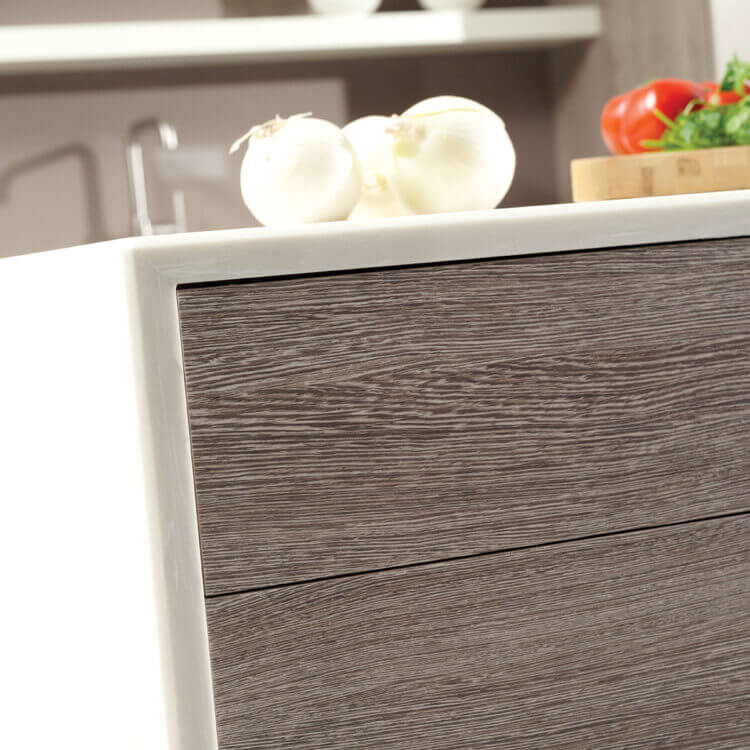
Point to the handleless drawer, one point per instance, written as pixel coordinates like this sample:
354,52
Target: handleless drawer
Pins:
635,640
364,420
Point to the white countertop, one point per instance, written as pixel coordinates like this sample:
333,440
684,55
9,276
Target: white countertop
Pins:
107,626
253,252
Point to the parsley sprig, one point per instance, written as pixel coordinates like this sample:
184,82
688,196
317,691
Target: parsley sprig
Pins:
737,73
701,125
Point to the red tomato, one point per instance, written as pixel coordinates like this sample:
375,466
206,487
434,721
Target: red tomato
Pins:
717,98
612,115
639,123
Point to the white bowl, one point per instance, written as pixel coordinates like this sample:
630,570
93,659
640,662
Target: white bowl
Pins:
344,6
451,4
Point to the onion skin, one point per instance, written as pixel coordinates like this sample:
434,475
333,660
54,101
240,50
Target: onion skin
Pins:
298,171
378,204
372,143
451,154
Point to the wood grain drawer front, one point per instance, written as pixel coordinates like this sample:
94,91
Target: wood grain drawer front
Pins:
636,640
365,420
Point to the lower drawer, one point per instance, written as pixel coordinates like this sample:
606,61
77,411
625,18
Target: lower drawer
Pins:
634,640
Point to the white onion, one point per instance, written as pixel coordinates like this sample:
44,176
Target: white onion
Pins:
450,154
372,143
299,170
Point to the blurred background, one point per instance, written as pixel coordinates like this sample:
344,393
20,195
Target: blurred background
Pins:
107,135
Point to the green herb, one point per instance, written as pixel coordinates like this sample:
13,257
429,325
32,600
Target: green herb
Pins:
737,73
702,125
727,125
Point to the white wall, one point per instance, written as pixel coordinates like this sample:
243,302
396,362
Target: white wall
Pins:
731,29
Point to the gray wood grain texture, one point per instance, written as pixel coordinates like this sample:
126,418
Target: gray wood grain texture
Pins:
636,640
367,420
641,40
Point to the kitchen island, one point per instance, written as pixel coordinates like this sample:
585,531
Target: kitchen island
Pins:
467,480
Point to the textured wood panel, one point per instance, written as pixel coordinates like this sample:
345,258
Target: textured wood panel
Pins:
706,170
637,640
641,40
372,419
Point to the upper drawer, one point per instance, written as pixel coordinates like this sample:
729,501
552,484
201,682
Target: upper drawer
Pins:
365,420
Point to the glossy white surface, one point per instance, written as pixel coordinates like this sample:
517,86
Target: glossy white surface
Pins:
80,646
103,634
35,49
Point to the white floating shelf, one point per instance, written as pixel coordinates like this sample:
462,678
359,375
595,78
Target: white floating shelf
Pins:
94,46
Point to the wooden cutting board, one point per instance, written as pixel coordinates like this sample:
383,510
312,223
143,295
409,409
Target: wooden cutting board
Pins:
660,173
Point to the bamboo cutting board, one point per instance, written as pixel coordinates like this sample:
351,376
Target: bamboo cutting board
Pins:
660,173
